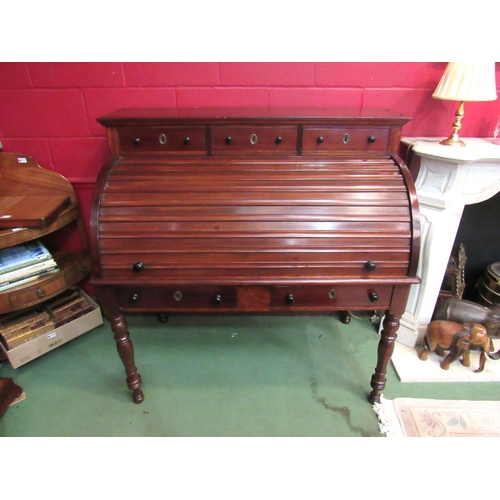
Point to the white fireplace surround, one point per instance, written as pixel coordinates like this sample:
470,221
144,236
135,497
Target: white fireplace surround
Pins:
449,178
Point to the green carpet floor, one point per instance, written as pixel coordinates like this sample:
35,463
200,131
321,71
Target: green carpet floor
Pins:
203,375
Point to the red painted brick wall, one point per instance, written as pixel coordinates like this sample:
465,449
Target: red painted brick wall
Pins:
49,110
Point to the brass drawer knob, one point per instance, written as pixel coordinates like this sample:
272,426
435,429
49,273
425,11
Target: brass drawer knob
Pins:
40,293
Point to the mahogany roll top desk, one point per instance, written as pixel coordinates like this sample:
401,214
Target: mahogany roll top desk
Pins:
244,210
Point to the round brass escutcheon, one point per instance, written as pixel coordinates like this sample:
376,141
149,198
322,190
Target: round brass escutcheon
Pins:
332,293
253,139
40,292
163,139
177,296
346,138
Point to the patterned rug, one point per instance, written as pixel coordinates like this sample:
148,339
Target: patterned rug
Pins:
407,417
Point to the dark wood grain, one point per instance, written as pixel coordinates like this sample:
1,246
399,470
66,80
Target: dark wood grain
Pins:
256,215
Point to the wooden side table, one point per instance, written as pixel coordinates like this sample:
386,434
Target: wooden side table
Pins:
38,204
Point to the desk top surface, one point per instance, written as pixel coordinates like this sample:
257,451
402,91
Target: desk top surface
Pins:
293,113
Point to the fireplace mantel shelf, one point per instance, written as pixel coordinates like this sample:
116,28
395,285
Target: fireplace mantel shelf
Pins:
446,178
476,149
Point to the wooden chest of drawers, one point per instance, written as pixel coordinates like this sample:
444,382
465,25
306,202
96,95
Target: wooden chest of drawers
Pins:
252,211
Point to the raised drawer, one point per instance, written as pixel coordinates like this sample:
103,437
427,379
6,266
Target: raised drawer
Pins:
36,293
74,266
171,298
278,140
331,297
341,140
163,139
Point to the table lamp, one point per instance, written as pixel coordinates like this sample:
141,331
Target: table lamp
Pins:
465,81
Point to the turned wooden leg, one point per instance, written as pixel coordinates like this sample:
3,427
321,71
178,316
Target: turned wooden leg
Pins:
385,350
126,353
107,298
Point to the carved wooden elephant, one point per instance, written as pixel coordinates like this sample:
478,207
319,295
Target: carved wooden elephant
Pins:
464,311
459,339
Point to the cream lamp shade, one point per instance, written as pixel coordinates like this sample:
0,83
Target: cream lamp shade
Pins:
465,81
473,81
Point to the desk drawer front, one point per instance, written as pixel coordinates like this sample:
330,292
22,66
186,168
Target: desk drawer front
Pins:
278,140
342,140
163,139
213,298
34,294
172,298
331,297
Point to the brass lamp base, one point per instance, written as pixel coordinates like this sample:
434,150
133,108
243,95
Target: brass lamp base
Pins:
454,140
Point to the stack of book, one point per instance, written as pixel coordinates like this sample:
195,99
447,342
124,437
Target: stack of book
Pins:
23,263
66,307
19,327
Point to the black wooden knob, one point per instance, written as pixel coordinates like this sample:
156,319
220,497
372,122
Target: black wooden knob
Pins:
371,139
370,265
289,299
187,140
217,300
136,141
320,140
228,139
138,267
279,140
134,298
373,297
